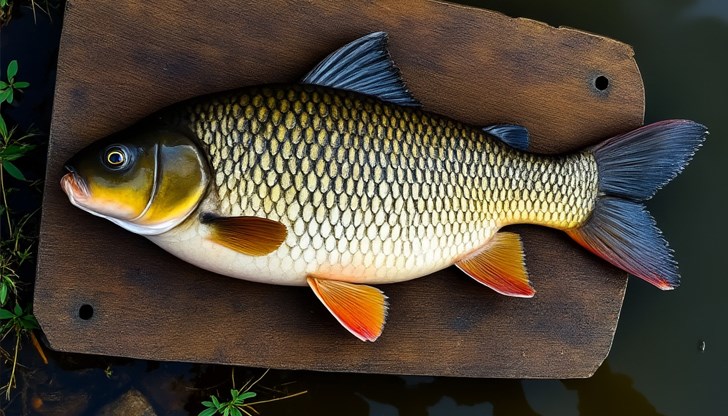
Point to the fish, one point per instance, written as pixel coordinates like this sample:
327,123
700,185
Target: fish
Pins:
342,181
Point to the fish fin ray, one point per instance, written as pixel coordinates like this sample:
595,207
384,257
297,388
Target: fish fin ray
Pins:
511,134
361,309
500,266
252,236
623,233
631,168
363,66
636,164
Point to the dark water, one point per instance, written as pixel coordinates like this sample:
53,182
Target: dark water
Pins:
656,365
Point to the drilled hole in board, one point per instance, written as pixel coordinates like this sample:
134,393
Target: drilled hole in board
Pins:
86,312
601,83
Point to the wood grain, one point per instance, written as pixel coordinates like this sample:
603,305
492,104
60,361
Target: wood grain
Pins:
121,60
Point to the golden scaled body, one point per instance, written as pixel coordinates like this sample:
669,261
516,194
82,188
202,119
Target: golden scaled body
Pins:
370,192
342,180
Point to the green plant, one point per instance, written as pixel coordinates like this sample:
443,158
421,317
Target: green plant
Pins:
9,87
15,244
15,247
18,321
237,405
6,9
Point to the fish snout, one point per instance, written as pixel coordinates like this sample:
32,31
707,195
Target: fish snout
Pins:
73,185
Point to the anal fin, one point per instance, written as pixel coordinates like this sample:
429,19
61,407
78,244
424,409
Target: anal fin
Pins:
361,309
499,265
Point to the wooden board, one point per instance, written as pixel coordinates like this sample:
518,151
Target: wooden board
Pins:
121,60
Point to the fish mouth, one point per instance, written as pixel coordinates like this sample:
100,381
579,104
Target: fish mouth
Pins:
74,186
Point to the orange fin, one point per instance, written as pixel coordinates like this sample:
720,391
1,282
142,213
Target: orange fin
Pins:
252,236
361,309
499,265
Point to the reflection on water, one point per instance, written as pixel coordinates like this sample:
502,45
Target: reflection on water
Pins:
710,9
608,393
655,366
76,384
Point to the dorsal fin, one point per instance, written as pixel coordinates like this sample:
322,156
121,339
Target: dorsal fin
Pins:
363,66
511,134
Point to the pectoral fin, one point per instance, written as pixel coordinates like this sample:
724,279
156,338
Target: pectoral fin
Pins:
500,266
361,309
252,236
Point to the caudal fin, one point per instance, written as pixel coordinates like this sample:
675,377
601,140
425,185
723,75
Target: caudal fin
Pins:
632,167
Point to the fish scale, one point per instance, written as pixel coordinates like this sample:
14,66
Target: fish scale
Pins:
371,191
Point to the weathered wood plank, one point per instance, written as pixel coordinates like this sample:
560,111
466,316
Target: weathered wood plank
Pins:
122,60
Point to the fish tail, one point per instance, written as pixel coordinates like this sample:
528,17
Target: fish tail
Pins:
631,168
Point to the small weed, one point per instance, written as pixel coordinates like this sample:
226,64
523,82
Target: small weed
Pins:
16,246
237,405
11,86
108,371
18,321
6,8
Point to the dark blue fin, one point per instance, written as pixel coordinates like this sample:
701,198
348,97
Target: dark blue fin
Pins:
632,167
511,134
364,66
635,165
624,233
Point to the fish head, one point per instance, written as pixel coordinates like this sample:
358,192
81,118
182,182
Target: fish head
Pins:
146,179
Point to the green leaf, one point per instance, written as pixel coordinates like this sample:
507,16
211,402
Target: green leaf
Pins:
215,401
14,151
208,412
21,84
3,127
13,170
235,412
12,68
247,395
3,85
3,293
234,393
226,412
208,404
4,94
9,99
17,310
28,322
6,314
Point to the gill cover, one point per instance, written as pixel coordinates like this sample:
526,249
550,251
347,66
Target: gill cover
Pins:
146,179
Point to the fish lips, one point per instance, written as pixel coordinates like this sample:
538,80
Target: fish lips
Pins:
74,186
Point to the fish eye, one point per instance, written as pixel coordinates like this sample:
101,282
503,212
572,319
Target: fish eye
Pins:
116,157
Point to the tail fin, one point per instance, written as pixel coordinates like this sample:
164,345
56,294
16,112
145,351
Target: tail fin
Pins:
632,167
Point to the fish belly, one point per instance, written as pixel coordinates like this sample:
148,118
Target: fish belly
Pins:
369,192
